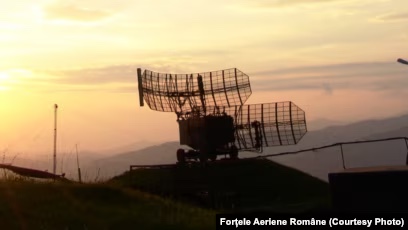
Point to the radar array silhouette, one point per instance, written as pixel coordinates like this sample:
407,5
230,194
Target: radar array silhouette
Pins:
213,117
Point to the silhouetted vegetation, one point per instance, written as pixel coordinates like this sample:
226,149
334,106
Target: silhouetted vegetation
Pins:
185,195
44,205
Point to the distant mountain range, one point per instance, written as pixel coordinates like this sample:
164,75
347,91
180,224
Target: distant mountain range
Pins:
140,144
318,164
157,154
322,123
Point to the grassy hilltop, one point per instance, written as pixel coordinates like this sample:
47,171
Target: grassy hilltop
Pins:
33,205
234,185
168,198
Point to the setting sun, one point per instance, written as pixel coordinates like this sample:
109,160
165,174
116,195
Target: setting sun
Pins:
4,80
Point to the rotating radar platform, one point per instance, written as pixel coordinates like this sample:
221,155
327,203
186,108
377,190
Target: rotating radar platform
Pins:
213,117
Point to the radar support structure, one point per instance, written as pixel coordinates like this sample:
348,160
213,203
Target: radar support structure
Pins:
212,115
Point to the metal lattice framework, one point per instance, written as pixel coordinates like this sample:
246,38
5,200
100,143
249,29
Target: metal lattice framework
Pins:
280,123
181,93
197,97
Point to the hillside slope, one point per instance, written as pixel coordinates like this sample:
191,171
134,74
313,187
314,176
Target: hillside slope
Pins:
29,205
242,184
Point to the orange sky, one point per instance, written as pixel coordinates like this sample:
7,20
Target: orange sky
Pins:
335,59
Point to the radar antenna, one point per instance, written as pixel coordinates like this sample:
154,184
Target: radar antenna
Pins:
213,117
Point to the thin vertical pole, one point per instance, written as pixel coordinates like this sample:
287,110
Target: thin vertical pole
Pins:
406,144
342,156
140,85
79,169
55,139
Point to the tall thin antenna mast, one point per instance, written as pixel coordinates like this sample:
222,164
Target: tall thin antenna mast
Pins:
55,139
79,169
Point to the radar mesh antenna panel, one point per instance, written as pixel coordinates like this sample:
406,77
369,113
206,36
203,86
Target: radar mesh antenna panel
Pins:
213,117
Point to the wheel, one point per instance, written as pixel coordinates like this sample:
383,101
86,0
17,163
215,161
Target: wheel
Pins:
181,156
203,157
213,157
233,152
191,155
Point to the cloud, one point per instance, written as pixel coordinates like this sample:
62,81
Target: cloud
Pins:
392,17
74,13
377,76
96,76
120,74
285,3
353,67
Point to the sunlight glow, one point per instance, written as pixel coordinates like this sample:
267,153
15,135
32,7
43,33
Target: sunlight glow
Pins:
83,55
4,79
11,78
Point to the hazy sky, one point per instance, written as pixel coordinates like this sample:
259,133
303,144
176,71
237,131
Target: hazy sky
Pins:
335,59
